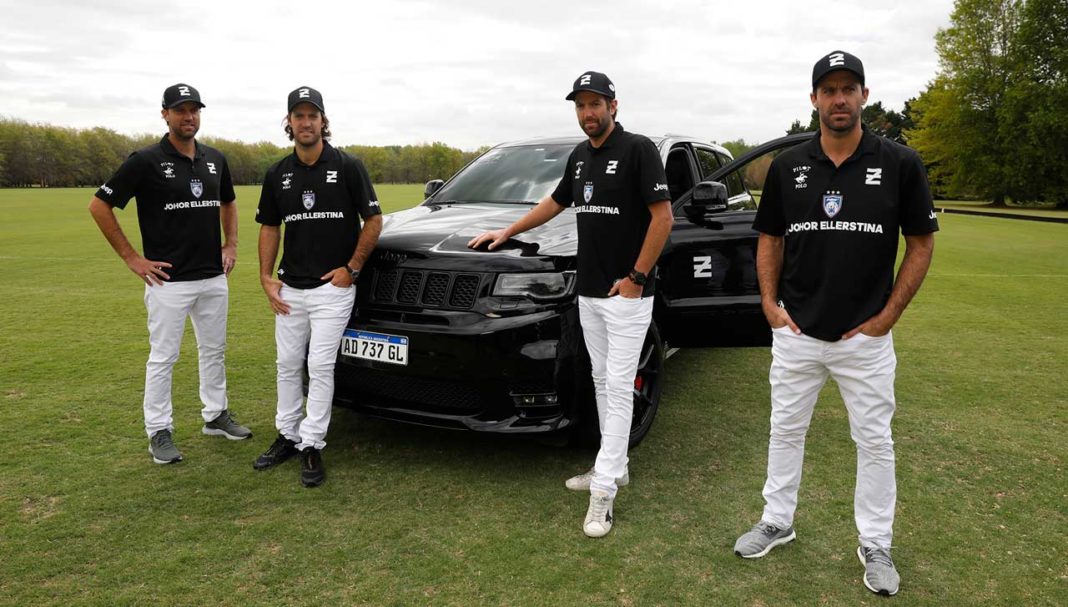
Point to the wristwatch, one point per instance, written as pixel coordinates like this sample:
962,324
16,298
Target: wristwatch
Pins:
637,277
353,274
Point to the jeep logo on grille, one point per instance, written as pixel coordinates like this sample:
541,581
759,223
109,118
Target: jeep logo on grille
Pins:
391,258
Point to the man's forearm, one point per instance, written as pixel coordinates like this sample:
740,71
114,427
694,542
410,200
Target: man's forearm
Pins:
228,214
372,227
769,267
542,212
270,237
918,253
655,236
109,226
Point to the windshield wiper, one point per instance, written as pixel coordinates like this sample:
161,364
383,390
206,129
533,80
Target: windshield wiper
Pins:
437,202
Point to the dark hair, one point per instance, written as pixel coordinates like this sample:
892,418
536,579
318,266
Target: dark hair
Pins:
326,134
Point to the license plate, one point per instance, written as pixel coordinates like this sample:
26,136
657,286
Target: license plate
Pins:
379,347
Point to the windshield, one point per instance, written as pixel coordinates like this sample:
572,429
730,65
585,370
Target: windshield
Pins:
523,174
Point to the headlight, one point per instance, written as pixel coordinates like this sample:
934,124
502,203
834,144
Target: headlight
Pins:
542,285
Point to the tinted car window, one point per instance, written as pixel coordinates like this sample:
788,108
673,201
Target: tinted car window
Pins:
707,160
733,180
509,174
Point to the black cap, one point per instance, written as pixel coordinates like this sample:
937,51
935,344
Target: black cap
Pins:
837,60
178,94
595,82
306,94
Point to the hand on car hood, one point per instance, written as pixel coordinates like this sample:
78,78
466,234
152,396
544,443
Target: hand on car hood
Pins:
448,229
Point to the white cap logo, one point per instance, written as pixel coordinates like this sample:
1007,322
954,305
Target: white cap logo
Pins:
585,79
303,94
183,91
836,59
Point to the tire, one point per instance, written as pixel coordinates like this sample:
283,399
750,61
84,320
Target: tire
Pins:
648,383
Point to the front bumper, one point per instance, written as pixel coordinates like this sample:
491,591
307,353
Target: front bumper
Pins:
465,370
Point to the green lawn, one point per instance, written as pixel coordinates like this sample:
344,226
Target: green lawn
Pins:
418,516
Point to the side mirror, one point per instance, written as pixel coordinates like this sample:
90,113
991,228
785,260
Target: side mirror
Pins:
432,186
709,197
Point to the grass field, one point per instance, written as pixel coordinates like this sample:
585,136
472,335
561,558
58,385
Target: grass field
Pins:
412,516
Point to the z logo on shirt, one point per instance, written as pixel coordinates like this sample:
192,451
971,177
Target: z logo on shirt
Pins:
611,168
873,177
211,167
331,176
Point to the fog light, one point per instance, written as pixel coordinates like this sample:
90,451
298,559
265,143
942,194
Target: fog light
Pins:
540,350
547,399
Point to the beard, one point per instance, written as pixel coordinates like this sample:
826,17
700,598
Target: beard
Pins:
593,131
840,127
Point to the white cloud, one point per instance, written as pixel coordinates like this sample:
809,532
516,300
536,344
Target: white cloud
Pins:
468,73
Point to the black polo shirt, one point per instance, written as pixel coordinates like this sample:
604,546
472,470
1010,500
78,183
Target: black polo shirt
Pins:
611,188
178,202
841,228
318,204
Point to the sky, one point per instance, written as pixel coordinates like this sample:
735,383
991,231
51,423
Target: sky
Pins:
465,72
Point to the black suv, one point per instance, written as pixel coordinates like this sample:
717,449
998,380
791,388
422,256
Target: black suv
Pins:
447,336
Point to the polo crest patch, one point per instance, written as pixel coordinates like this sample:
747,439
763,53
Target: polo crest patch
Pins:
308,198
197,187
587,192
832,203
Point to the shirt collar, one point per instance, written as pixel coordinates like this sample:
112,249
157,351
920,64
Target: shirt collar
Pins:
867,144
328,154
612,139
168,148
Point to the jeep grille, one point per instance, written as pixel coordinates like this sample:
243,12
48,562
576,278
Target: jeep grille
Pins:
426,288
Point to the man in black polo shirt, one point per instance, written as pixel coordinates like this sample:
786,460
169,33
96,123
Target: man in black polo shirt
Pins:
829,220
319,193
183,188
617,184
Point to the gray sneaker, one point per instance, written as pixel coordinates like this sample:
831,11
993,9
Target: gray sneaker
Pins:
162,448
582,481
759,540
880,576
226,425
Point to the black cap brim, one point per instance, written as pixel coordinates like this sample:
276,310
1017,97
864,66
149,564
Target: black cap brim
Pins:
571,96
309,102
181,101
860,77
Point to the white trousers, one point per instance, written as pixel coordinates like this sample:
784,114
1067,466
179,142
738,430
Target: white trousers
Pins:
614,329
314,325
168,305
864,368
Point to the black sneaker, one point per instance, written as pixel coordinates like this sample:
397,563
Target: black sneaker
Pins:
281,450
312,471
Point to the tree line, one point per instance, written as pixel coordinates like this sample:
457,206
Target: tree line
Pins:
45,155
994,121
992,124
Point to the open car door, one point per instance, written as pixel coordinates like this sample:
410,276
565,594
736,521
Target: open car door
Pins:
708,293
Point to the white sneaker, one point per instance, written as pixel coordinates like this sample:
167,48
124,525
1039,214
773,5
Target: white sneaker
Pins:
599,515
582,481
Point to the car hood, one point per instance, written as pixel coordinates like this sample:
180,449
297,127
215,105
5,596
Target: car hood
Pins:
436,232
